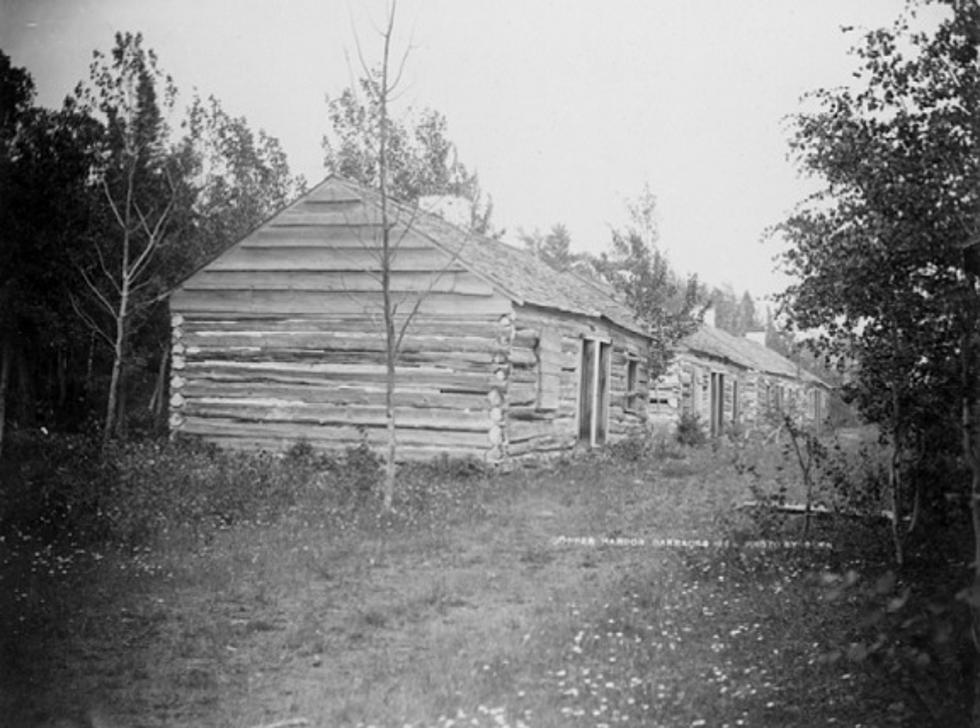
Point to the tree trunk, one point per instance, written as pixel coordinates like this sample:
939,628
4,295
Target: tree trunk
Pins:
122,405
916,508
4,379
894,488
117,360
89,364
973,448
975,605
62,361
389,484
895,478
391,342
26,405
971,452
156,406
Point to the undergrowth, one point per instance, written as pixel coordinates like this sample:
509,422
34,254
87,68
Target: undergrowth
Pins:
223,563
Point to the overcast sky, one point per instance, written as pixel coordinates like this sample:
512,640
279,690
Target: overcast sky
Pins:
565,108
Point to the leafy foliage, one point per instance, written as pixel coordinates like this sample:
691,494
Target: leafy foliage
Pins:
239,177
878,253
690,430
736,315
421,160
554,248
103,190
641,273
45,160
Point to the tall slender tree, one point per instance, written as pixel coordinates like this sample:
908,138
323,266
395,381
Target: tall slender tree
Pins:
381,142
878,252
142,187
642,274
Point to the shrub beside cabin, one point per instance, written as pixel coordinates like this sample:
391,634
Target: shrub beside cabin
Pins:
734,383
281,339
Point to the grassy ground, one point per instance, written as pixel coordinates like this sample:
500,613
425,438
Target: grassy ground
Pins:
486,605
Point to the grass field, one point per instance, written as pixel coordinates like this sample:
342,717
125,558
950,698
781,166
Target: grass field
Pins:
588,592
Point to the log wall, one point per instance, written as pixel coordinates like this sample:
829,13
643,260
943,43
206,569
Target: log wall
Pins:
534,423
281,339
686,388
273,381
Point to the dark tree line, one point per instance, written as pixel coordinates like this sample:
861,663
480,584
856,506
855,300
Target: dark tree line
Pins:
104,206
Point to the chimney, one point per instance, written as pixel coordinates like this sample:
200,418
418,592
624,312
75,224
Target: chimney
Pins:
709,317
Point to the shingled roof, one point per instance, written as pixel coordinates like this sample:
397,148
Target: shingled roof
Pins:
745,353
518,274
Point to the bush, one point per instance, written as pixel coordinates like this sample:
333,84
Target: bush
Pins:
636,446
54,487
66,489
690,430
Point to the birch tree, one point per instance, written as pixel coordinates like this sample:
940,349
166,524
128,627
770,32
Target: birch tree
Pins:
139,184
878,252
385,167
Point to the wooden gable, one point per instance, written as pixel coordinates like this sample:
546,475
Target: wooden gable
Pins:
324,254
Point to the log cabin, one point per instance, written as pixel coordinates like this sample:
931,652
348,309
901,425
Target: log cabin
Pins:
280,339
733,383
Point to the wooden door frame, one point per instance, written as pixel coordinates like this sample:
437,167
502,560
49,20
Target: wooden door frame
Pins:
716,400
598,342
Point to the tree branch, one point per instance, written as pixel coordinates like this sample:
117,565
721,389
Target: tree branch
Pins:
88,321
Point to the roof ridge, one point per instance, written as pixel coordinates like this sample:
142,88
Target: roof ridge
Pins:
537,288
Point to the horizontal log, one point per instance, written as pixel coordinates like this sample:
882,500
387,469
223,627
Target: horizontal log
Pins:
520,393
314,258
548,444
195,425
332,236
524,375
526,414
522,357
333,190
521,430
247,410
527,338
328,215
479,326
460,282
479,362
329,340
323,394
366,304
356,375
403,453
331,202
314,212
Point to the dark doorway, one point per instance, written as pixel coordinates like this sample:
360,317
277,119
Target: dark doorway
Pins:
593,396
717,403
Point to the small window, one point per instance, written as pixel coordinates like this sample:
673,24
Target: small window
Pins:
633,395
548,353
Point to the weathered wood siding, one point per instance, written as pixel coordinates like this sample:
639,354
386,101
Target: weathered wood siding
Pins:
686,388
281,339
543,385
